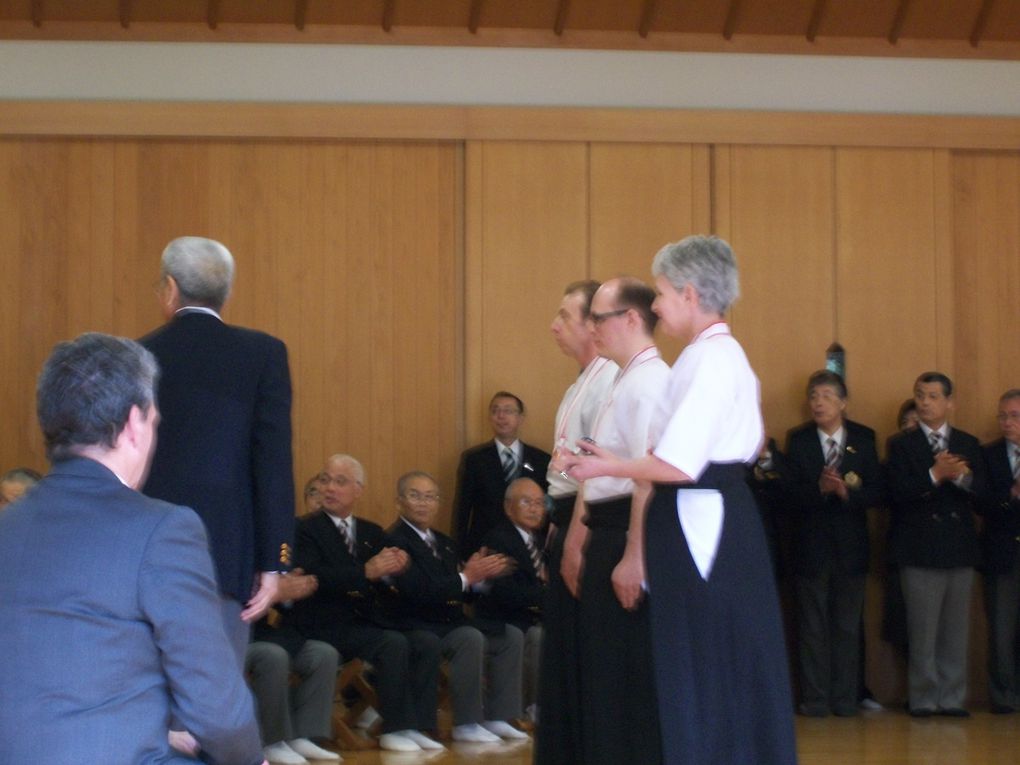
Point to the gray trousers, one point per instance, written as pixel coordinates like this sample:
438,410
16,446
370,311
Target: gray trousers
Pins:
1002,602
478,661
938,627
829,608
287,713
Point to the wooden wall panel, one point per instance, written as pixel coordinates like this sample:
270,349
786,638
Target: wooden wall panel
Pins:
775,207
345,251
886,277
527,218
986,267
642,197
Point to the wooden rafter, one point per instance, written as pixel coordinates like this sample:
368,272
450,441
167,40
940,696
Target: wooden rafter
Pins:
732,16
124,13
817,14
980,22
389,9
475,17
212,14
898,21
647,17
300,14
561,17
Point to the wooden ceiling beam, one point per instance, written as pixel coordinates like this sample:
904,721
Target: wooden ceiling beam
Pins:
732,16
389,9
647,17
898,21
980,22
212,14
124,13
300,14
561,17
475,16
817,14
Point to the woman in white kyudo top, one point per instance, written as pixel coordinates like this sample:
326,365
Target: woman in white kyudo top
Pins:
720,662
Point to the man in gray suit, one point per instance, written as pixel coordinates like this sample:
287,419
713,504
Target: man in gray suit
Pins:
109,613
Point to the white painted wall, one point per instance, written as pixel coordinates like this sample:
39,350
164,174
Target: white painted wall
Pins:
507,76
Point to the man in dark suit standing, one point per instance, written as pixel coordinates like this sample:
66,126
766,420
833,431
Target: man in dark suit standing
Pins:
109,614
349,557
517,599
430,598
224,445
833,476
935,476
487,469
1001,548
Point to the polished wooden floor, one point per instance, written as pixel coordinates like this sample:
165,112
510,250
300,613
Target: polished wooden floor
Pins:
874,738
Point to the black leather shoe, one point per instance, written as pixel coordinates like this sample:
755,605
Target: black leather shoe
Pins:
922,712
954,712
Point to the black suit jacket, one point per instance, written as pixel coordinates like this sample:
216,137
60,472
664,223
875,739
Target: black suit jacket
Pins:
429,595
933,526
224,442
1000,540
344,596
515,599
826,529
478,505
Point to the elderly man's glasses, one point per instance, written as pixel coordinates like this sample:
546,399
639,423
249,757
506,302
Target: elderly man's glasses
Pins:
418,497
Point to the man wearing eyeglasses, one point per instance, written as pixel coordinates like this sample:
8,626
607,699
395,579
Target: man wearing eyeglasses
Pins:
487,469
351,560
516,600
430,598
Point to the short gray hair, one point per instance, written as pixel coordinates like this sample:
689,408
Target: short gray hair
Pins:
707,264
86,390
203,269
356,467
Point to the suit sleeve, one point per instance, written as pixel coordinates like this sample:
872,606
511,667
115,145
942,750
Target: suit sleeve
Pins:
272,463
177,594
871,491
422,583
337,579
464,502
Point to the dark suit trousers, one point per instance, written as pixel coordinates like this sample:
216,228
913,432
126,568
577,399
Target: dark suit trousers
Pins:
1002,602
829,608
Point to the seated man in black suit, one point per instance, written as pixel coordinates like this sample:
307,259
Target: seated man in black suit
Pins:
833,475
935,476
430,597
487,469
516,600
349,558
1001,548
289,720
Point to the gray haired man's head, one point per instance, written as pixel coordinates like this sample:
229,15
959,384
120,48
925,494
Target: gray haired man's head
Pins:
203,270
86,390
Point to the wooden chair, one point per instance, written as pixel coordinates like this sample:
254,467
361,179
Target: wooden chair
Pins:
345,714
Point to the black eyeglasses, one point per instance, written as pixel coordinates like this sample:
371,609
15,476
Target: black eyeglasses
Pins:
598,318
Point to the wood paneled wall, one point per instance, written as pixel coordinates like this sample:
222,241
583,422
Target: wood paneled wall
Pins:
413,278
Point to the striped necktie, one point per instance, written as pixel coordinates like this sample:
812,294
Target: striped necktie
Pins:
832,454
345,534
430,540
509,465
536,556
1016,463
935,439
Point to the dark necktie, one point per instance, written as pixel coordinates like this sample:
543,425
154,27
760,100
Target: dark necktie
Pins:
509,465
936,442
536,556
345,534
832,453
